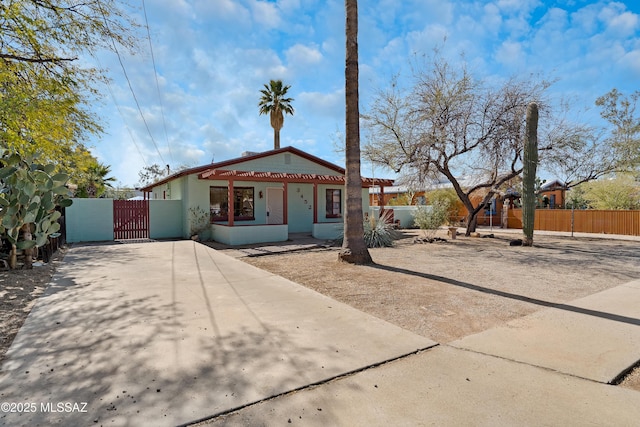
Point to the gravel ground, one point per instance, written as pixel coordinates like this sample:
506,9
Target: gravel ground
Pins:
448,290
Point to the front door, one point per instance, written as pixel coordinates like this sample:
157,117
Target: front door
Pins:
275,205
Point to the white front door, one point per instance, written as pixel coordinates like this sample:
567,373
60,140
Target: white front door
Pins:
275,205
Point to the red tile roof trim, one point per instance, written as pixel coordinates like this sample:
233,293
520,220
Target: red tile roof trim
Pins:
215,166
286,177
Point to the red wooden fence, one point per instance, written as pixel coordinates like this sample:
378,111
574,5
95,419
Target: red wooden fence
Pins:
130,219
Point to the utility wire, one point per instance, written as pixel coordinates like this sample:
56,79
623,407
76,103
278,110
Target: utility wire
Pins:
155,72
115,48
133,139
115,102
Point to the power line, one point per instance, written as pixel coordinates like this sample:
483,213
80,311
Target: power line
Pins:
155,72
133,139
115,48
115,102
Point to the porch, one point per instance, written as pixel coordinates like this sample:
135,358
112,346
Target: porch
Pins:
234,235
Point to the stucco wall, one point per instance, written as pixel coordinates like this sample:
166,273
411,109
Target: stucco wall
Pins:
283,162
89,220
165,219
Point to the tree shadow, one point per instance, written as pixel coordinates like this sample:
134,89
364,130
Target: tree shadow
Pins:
147,356
509,295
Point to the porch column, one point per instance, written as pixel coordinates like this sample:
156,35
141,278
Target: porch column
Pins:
230,208
315,202
285,203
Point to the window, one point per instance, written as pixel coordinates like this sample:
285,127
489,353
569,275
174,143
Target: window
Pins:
242,203
334,203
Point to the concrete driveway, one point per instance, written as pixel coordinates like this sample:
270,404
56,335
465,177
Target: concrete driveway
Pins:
175,332
167,333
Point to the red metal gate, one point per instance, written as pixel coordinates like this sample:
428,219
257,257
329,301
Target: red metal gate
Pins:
130,219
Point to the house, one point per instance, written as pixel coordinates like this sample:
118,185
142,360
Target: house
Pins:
262,197
552,194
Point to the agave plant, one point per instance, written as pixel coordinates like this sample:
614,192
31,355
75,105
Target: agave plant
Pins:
380,232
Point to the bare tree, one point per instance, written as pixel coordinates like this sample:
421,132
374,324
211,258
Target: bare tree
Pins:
354,249
450,125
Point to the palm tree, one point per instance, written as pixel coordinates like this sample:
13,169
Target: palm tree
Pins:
96,179
354,249
273,101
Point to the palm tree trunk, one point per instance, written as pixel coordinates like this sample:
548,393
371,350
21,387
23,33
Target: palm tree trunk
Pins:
276,138
354,250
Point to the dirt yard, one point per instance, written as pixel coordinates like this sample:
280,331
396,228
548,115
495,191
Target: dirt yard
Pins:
445,291
19,291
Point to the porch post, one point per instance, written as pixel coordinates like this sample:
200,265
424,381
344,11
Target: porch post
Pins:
315,202
230,208
285,203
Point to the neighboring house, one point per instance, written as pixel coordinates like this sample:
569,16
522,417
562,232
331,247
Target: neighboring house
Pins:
395,194
553,194
262,197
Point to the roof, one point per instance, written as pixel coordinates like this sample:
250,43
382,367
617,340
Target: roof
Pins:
553,185
285,176
220,170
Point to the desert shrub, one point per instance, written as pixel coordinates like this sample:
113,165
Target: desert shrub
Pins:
402,200
449,197
430,218
379,232
199,220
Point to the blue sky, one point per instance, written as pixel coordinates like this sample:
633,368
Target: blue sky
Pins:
213,56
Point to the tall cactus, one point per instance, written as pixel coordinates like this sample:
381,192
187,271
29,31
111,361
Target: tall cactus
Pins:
530,164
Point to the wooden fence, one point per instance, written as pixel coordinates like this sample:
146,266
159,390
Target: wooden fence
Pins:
130,219
581,221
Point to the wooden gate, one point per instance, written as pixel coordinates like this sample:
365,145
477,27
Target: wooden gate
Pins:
130,219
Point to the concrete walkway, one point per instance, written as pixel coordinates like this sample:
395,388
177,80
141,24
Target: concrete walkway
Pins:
165,333
174,332
551,368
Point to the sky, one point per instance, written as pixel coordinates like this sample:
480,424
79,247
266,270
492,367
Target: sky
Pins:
199,103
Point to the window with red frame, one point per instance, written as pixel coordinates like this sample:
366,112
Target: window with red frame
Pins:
334,203
243,207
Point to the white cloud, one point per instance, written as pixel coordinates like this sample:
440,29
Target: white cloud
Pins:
624,24
221,10
303,56
266,14
510,54
323,104
631,61
213,56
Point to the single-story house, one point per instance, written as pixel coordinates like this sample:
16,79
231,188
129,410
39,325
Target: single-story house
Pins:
262,197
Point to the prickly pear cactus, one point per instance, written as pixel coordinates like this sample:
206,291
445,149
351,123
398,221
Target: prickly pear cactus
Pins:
530,165
29,194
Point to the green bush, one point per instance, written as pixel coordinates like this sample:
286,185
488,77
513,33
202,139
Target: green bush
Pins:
430,218
450,198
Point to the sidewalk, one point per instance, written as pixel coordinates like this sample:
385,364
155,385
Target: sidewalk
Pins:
551,368
517,231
